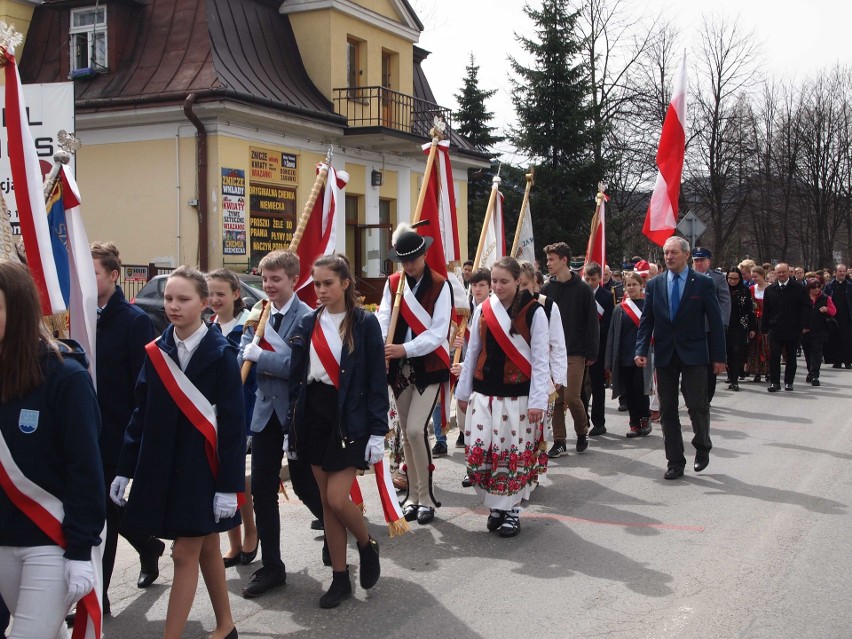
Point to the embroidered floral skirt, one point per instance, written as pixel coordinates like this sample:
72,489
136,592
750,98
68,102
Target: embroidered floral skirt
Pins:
505,453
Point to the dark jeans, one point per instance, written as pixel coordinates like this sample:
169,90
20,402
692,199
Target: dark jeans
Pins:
632,379
266,456
736,346
142,544
597,400
694,388
776,347
812,345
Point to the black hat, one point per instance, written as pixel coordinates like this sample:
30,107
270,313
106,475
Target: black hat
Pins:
408,244
701,252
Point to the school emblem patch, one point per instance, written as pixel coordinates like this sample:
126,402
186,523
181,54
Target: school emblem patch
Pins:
28,421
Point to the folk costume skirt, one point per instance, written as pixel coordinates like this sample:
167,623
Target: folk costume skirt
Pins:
505,454
320,433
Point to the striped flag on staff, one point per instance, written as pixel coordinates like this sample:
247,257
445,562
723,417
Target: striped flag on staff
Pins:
27,177
495,236
661,219
525,241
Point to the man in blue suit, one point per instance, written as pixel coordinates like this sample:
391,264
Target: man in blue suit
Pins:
678,306
280,272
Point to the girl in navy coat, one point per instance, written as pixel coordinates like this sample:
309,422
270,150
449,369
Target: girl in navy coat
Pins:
231,315
49,420
339,412
182,488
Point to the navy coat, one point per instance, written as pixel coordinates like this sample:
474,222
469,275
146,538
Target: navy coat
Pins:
173,485
685,334
123,331
362,403
234,336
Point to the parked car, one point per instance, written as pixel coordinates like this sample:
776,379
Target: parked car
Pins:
150,298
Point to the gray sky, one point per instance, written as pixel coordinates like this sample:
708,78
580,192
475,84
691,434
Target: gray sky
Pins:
798,38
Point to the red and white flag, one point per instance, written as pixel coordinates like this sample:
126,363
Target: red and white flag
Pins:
596,249
494,247
439,207
661,219
319,236
83,302
29,194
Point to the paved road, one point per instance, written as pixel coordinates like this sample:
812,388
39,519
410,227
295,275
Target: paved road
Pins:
757,545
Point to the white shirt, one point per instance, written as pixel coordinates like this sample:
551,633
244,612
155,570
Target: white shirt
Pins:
317,372
187,347
558,353
429,340
227,327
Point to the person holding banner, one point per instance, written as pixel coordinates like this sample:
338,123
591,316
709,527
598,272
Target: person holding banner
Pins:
52,497
418,360
185,449
339,412
503,389
629,381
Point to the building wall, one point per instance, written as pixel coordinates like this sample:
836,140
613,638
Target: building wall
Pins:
18,14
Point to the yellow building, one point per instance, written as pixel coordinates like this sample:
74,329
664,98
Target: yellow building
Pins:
203,122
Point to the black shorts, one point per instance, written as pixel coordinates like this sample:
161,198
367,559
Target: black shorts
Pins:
320,433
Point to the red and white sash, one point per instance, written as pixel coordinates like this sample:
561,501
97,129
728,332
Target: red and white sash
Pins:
390,505
500,325
632,310
271,340
46,511
328,346
420,321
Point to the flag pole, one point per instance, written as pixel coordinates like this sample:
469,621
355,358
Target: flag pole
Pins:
599,198
489,212
437,133
319,184
524,206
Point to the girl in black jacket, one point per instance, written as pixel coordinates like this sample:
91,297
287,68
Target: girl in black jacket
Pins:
338,412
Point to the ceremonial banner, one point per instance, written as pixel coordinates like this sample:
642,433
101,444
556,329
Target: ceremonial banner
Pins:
319,236
32,213
525,241
596,249
661,219
495,236
439,208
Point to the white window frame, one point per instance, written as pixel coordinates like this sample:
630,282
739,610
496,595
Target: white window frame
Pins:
98,29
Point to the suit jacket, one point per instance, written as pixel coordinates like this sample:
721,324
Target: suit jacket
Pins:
723,294
785,312
273,370
685,334
605,298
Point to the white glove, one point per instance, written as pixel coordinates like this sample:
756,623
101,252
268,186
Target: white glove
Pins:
79,578
224,506
375,449
117,490
251,352
291,454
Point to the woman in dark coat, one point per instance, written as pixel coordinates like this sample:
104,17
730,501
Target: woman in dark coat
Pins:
741,328
177,492
816,333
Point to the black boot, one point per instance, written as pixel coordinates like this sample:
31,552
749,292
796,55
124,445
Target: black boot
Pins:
370,568
339,590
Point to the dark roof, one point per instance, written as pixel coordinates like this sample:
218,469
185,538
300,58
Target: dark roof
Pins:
166,49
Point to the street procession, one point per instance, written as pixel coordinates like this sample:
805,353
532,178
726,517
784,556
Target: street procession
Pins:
272,317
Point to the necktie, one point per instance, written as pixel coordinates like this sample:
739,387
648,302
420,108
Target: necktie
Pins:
675,301
276,321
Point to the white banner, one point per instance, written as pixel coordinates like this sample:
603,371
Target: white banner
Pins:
526,242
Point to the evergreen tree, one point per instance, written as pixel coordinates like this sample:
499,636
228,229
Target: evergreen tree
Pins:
552,101
473,117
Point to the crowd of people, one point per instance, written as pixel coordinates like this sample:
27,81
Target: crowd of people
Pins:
152,446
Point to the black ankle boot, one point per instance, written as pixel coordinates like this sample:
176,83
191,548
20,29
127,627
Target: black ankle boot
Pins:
339,590
370,568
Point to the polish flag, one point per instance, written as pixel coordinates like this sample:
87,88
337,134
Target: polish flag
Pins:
596,249
29,194
439,207
661,219
319,236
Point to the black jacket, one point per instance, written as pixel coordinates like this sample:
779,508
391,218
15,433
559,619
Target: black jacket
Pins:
60,454
831,290
785,312
576,304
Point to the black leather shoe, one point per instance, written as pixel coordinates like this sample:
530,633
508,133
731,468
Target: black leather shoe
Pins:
247,557
673,473
701,461
425,514
773,388
149,568
808,378
495,519
371,569
597,431
317,524
340,589
233,634
788,387
409,513
233,561
264,580
815,382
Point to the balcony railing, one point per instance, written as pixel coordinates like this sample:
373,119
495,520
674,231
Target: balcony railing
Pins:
382,107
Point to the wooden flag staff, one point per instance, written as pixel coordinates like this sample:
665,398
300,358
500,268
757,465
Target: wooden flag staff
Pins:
599,198
437,133
524,207
319,184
